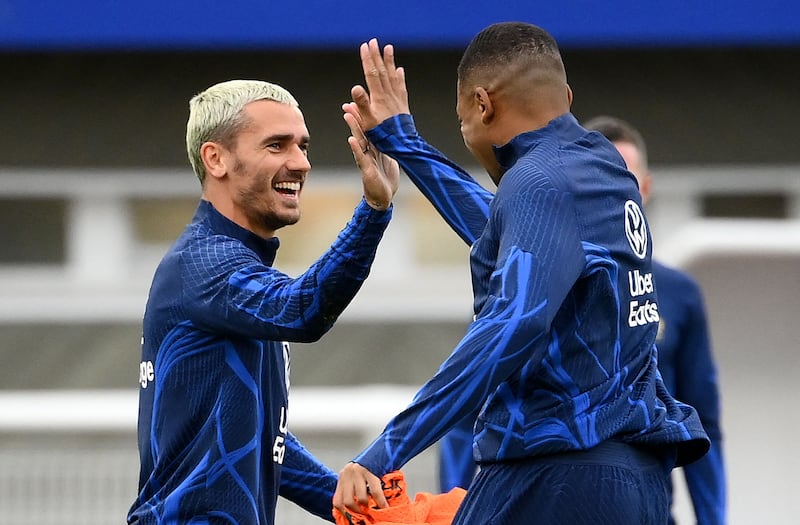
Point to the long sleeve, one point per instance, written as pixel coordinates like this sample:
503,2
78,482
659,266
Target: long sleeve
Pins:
540,259
307,482
212,422
461,201
705,479
228,289
697,385
464,204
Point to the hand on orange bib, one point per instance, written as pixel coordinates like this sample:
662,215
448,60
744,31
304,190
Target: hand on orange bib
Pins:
427,508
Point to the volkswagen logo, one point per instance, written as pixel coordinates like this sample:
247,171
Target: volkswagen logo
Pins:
636,229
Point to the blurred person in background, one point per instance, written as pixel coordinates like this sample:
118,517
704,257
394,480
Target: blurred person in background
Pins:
214,441
572,422
684,349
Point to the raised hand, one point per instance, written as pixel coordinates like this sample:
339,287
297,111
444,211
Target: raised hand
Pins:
380,175
385,95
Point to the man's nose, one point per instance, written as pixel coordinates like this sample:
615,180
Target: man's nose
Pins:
298,160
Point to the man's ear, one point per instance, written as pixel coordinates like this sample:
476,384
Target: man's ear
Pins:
214,159
485,105
569,95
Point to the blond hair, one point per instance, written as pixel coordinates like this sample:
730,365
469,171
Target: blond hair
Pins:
215,115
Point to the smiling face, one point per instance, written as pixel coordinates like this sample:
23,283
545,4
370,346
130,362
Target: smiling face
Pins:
262,174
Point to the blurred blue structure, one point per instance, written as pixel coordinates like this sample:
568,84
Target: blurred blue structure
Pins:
313,24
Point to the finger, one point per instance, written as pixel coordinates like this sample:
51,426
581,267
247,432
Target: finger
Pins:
361,99
376,489
350,108
396,77
362,493
369,68
378,63
388,58
359,154
338,498
344,498
400,84
357,133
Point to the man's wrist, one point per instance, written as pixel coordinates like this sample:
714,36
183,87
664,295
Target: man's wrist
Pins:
402,124
368,211
378,206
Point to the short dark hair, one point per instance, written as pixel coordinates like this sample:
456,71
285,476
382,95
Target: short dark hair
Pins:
618,130
505,43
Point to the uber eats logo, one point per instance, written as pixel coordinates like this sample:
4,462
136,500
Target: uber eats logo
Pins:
641,312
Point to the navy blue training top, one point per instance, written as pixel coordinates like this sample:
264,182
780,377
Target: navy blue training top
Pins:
214,442
561,354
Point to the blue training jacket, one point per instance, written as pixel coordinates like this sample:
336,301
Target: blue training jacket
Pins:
214,442
561,354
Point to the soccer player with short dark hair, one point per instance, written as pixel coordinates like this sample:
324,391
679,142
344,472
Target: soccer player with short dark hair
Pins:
573,422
